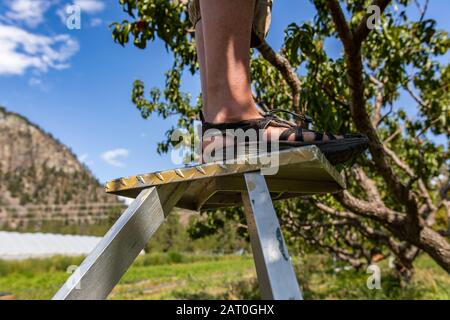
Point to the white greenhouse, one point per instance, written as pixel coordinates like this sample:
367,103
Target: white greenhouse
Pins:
17,246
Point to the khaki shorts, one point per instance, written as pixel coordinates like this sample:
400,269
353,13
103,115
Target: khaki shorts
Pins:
261,19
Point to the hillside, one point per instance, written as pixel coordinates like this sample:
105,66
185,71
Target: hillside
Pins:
40,178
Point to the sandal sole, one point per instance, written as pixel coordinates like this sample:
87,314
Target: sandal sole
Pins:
336,151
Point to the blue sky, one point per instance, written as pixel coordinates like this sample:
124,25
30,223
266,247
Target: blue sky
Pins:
76,84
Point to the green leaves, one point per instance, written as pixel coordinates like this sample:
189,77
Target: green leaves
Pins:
121,32
129,6
167,21
299,43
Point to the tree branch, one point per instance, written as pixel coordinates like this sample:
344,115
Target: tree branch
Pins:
423,10
386,216
379,100
356,222
358,109
335,212
399,162
368,185
342,27
403,251
339,252
284,67
421,184
392,136
331,95
415,96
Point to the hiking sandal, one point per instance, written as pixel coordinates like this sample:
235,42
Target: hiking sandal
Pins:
336,150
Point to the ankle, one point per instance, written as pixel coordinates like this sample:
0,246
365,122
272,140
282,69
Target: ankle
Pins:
227,117
231,111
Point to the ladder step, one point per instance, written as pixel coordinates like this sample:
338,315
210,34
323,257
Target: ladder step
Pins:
295,172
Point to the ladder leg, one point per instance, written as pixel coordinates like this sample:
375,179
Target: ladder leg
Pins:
276,276
104,266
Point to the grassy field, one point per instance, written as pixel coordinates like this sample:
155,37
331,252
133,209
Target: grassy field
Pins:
178,276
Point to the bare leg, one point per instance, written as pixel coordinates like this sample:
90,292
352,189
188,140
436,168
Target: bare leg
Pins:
202,62
227,31
223,44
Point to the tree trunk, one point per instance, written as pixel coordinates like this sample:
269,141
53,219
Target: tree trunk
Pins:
436,246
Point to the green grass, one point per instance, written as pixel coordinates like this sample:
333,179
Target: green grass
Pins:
206,278
180,276
321,282
40,279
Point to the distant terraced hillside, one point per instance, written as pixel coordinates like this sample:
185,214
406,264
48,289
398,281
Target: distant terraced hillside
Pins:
40,178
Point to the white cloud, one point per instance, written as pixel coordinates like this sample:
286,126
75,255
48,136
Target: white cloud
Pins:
38,83
90,6
35,82
95,22
30,12
110,157
84,158
21,50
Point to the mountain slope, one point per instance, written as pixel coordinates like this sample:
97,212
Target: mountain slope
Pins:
36,170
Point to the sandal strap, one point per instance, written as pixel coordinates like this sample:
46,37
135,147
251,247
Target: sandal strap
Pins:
256,124
269,119
330,136
201,116
284,136
302,117
318,136
299,134
278,122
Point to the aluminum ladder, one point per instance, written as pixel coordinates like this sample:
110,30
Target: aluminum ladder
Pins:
252,183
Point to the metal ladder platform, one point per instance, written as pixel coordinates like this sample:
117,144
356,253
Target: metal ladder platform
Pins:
251,182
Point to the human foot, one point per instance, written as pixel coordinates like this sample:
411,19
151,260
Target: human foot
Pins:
337,148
